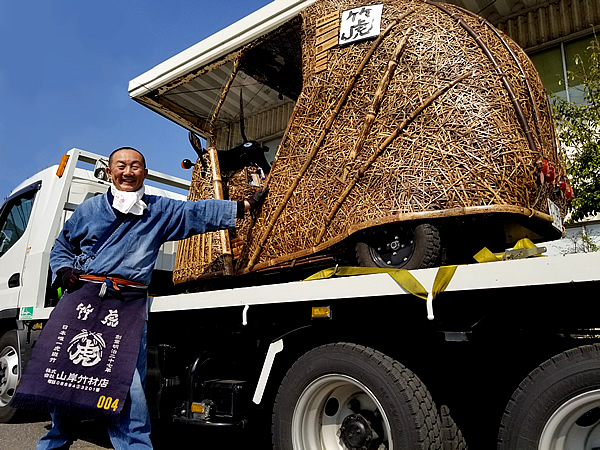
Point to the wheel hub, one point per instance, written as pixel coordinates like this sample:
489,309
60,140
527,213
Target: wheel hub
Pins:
575,424
356,432
395,245
391,249
8,375
337,412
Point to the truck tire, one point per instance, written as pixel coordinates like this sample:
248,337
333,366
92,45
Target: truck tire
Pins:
451,434
400,248
557,406
9,374
352,397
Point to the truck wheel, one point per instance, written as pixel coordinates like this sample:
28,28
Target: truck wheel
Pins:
400,248
345,396
9,374
557,406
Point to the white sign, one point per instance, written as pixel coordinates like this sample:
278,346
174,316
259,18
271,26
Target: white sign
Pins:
555,213
360,23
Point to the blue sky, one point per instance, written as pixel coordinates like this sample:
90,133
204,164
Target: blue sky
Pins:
65,66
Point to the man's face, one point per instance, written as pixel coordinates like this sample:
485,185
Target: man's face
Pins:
127,170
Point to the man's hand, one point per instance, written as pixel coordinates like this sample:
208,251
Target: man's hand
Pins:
69,278
257,200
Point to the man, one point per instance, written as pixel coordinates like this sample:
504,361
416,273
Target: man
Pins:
104,258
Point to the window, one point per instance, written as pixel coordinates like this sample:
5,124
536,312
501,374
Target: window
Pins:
554,63
15,214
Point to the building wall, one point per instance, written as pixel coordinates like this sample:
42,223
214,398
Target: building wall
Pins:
583,237
551,22
263,126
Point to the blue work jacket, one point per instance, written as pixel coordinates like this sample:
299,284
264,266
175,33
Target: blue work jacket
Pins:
130,252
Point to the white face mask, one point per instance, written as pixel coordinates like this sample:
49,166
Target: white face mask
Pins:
128,202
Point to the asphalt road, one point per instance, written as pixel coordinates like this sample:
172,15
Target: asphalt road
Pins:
24,436
93,436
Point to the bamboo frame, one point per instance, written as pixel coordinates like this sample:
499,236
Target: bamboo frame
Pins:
408,217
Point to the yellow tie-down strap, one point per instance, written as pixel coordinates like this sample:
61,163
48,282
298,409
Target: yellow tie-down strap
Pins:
403,277
485,255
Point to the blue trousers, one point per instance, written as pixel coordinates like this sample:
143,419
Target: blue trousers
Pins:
130,431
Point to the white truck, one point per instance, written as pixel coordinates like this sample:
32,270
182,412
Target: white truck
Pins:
339,361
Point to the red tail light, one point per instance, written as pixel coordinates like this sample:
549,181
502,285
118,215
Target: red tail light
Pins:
562,184
568,191
542,164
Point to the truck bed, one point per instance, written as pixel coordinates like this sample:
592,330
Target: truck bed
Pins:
536,271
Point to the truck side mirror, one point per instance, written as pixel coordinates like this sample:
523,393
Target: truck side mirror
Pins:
100,170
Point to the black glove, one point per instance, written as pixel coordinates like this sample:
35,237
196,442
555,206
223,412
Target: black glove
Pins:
257,200
69,278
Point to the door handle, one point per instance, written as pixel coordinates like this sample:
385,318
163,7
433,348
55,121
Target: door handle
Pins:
14,280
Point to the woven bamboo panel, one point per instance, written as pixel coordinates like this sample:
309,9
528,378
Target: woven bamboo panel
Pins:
441,113
201,255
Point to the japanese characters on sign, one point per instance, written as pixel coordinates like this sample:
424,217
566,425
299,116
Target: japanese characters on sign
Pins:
112,318
84,349
75,381
84,311
113,353
360,23
60,340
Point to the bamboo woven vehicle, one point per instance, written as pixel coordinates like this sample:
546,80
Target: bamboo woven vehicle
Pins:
419,134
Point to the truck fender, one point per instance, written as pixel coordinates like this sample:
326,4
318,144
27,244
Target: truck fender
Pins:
274,348
9,313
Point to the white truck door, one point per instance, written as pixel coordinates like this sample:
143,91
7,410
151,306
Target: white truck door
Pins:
15,215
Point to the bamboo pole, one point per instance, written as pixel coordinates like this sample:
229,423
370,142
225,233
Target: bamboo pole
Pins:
226,88
376,103
537,115
216,170
507,85
218,190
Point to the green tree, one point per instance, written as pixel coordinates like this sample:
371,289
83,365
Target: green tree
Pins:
579,132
